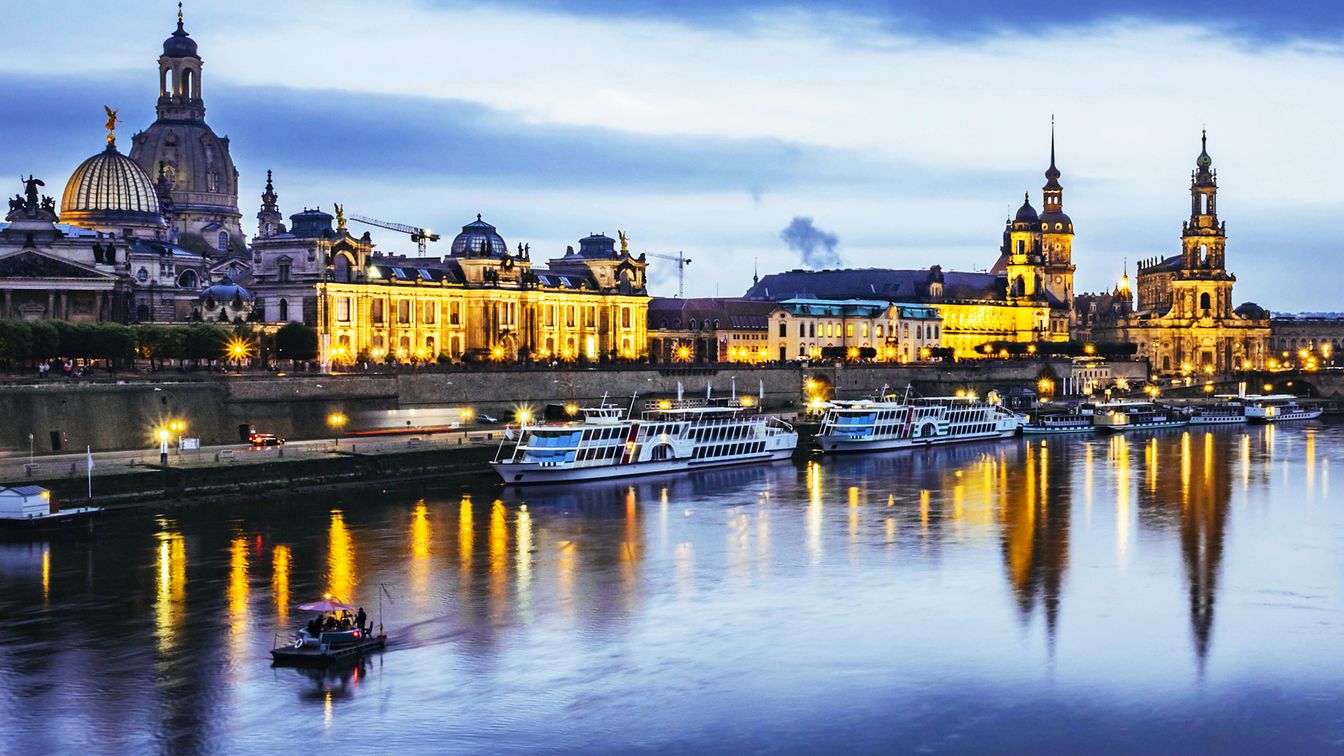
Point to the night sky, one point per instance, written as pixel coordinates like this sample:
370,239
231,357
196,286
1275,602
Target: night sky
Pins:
907,132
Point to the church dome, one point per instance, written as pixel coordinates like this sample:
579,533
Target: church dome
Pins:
479,239
1026,213
180,44
226,291
109,191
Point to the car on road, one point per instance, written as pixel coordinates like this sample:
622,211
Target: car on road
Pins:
261,440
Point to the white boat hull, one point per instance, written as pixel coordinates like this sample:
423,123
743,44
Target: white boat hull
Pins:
1143,426
534,474
1285,417
1228,420
831,444
1037,430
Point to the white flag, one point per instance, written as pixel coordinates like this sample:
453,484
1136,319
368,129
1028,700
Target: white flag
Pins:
680,389
709,391
762,396
89,452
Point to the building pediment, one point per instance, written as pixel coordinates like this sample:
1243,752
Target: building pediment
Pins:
30,264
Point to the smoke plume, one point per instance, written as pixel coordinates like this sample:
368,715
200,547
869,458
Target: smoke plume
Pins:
816,247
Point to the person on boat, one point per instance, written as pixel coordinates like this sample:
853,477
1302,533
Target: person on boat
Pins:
315,626
329,623
360,619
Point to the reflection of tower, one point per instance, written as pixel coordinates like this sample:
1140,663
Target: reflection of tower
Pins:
1203,521
1034,516
1192,493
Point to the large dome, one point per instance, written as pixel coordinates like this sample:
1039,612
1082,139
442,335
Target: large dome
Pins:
479,239
109,192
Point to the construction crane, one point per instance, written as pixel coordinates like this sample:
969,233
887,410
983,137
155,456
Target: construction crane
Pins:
418,235
682,261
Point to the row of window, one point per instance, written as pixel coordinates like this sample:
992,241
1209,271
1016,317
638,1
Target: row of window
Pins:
834,329
428,313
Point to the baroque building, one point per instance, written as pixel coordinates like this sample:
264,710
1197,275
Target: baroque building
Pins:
1185,319
1025,297
192,171
481,301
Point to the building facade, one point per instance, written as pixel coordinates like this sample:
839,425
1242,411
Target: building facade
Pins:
481,302
1185,320
709,330
1295,339
895,332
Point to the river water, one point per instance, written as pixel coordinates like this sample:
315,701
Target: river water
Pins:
1174,592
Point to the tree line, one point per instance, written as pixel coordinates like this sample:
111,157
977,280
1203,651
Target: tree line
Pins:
117,346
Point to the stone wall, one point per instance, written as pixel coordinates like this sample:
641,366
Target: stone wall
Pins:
124,416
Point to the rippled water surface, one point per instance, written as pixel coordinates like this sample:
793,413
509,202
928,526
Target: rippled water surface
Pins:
1172,592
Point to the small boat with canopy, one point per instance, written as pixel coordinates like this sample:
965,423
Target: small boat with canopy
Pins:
333,635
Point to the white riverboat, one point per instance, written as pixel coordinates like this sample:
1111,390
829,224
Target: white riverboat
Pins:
1124,416
1229,411
605,444
900,423
1078,420
1277,408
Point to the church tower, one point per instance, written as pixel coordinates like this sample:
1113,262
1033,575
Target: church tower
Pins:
190,165
1025,265
1202,287
1056,235
269,220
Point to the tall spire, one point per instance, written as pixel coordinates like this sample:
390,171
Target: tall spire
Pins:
1052,173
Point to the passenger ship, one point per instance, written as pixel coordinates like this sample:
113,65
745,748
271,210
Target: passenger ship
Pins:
1075,421
1227,412
1277,408
604,444
889,423
1118,417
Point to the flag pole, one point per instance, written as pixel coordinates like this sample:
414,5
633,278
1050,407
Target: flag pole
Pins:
88,450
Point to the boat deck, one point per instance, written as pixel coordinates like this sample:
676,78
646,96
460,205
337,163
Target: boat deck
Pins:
317,656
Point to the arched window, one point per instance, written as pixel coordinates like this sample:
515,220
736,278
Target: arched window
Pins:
188,84
142,313
1204,301
188,280
223,241
284,309
342,268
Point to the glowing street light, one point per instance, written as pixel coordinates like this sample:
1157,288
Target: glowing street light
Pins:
337,422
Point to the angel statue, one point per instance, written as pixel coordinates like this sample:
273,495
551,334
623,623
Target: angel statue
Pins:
111,125
340,216
625,241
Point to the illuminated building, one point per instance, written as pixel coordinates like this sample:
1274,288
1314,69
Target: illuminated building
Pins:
1321,335
706,330
480,302
1184,319
802,328
1025,297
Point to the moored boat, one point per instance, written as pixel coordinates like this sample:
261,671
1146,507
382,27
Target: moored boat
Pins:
1230,411
899,423
30,509
1124,416
1074,421
1277,408
604,445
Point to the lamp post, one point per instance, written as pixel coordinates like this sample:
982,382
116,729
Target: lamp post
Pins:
337,421
163,447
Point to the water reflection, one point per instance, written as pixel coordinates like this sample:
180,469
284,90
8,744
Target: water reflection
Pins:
780,590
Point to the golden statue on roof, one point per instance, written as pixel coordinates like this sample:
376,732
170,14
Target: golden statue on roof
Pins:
111,125
340,217
625,241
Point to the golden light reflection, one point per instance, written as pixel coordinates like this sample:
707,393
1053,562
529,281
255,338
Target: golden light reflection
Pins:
1123,494
340,558
421,538
326,709
1245,454
1186,463
171,589
566,562
46,573
1311,464
281,563
238,592
853,515
924,512
812,520
499,558
466,539
1150,454
523,524
1087,481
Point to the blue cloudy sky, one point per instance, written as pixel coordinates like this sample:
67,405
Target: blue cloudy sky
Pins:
908,131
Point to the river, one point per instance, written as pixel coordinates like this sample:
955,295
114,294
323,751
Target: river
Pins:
1170,592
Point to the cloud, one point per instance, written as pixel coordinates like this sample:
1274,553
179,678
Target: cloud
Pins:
816,247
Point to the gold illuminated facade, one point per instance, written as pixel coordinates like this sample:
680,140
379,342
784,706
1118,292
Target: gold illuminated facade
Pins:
1185,320
481,302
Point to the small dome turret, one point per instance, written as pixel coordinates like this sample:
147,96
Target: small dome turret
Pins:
1026,213
479,239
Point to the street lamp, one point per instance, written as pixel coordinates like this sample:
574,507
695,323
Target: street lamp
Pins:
163,447
337,421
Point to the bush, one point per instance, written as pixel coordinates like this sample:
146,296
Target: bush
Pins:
16,341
